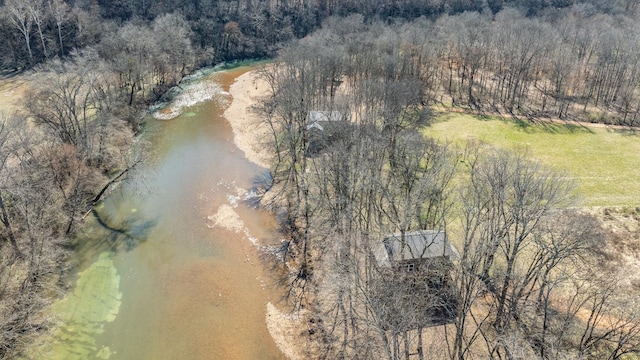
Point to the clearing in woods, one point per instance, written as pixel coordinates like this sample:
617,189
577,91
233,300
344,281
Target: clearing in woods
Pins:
604,161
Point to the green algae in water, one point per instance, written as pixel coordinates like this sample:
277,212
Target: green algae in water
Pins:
95,300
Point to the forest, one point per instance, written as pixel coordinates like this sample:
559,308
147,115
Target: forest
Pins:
532,279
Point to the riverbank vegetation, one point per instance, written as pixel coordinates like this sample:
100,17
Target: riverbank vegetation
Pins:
69,143
59,158
537,276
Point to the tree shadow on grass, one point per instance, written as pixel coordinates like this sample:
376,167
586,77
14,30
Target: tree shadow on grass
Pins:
535,125
626,131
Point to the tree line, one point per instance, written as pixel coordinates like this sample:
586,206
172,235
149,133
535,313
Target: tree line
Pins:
578,65
575,64
34,31
567,60
532,279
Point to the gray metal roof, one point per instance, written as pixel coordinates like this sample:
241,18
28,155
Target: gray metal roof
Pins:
422,244
324,116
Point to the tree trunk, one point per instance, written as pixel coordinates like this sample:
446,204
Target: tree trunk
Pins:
44,45
60,39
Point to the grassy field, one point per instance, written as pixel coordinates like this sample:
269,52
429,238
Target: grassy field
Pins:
604,162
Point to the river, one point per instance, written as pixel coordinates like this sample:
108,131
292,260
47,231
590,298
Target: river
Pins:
182,278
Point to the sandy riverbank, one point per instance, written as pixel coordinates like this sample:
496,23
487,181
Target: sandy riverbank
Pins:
250,135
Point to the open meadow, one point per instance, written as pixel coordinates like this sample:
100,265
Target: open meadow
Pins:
603,161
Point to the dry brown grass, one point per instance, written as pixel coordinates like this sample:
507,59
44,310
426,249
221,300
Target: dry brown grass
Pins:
623,243
12,91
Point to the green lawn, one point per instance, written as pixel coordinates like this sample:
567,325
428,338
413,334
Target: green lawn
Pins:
604,162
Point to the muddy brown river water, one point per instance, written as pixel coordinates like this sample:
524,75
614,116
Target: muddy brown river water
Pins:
182,280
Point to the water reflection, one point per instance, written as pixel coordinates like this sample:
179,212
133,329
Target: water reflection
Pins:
125,234
260,184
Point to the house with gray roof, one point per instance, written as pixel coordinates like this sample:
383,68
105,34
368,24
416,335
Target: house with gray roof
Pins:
414,250
325,128
320,119
414,289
